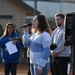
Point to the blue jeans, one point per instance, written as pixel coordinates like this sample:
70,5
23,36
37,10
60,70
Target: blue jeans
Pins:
34,70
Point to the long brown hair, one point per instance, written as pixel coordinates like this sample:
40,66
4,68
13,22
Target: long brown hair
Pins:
6,29
43,24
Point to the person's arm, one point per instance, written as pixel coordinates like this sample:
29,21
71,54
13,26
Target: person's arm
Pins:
3,40
25,39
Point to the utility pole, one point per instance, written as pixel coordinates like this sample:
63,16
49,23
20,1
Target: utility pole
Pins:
35,7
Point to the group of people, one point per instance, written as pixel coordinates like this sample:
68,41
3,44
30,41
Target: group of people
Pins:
46,47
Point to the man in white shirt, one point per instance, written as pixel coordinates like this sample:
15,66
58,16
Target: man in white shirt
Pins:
61,53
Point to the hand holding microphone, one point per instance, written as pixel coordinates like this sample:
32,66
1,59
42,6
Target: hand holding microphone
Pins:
25,26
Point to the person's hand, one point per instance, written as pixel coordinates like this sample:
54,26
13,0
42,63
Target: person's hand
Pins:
54,53
10,38
14,42
26,29
40,70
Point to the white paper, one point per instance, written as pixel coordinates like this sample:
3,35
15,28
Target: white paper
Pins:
11,47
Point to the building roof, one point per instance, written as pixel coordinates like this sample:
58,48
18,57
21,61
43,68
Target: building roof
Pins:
27,6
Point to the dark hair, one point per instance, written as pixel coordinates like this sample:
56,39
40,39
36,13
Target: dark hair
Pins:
61,15
6,29
43,23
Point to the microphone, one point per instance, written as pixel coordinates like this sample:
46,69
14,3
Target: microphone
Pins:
25,25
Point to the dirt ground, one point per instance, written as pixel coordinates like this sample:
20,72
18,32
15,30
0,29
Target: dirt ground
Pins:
21,69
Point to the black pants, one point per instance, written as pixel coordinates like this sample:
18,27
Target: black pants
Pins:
59,65
10,67
28,62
